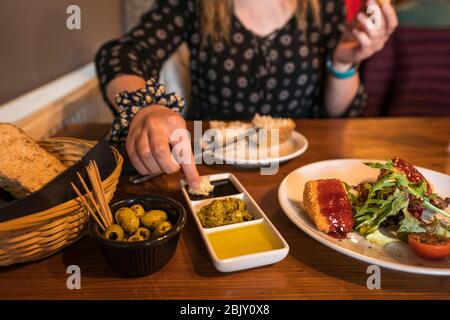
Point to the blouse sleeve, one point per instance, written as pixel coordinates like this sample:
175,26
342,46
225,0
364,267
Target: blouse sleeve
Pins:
333,24
144,49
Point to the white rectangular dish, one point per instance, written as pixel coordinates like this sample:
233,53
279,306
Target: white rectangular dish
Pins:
241,245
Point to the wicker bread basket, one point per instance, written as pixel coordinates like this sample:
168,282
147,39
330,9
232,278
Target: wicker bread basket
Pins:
41,234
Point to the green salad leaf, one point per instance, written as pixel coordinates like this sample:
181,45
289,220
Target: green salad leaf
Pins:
351,196
377,165
428,205
437,227
408,225
389,196
378,238
376,210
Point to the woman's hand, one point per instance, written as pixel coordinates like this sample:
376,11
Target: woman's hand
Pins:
364,38
149,139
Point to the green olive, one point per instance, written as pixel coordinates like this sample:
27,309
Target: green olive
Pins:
163,228
128,221
135,238
152,218
114,232
144,233
120,212
138,210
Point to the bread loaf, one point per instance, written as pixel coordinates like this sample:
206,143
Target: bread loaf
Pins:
24,166
273,131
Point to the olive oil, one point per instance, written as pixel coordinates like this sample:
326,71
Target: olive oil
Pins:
243,240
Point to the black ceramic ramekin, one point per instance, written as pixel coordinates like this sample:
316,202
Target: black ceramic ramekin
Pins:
137,259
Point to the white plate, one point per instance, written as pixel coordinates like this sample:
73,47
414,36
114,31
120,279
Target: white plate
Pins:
396,256
240,262
296,145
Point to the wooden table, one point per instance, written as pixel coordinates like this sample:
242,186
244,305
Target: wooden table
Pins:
311,271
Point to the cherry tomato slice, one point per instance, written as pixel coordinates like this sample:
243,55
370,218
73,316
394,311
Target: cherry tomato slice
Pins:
429,246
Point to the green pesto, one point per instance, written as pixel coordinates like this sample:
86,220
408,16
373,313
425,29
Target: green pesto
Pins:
222,212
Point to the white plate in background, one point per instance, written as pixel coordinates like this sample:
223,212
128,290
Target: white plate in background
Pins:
296,145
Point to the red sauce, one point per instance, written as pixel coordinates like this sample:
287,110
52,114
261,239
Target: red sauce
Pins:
335,206
411,172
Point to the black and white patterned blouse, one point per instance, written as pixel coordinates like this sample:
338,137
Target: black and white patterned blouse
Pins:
282,74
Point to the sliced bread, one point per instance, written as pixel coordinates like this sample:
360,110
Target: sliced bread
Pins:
24,166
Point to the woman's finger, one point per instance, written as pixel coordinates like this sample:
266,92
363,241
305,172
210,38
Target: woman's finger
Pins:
145,154
159,144
191,173
391,17
130,145
363,39
181,144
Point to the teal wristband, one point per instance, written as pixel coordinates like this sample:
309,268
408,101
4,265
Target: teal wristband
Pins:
338,74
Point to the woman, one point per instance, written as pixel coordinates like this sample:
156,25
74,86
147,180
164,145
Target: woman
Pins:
286,58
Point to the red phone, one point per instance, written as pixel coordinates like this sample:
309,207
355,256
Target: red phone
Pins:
353,7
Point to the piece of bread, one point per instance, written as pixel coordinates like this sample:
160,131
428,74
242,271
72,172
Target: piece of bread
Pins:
227,132
267,125
232,125
203,189
24,166
327,204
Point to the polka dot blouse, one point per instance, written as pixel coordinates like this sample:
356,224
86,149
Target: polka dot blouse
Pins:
282,74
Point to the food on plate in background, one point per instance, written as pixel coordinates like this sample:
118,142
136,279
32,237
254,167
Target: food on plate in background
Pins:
327,204
203,189
134,224
238,126
24,166
227,132
264,125
223,212
271,126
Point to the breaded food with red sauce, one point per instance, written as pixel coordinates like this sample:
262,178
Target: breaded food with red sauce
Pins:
327,204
